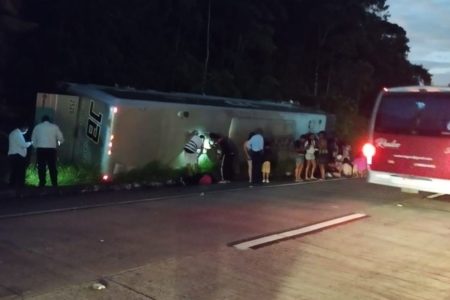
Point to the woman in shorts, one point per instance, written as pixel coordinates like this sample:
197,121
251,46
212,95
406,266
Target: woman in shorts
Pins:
310,157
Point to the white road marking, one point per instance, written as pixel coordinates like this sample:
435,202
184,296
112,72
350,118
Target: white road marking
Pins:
435,196
291,233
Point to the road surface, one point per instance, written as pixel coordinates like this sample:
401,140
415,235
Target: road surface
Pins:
182,244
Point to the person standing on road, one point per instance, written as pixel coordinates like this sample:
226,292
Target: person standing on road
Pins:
226,155
300,152
310,157
268,157
360,165
255,146
17,156
192,150
322,154
248,157
46,137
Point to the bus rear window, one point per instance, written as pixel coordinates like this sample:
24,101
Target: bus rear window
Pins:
414,114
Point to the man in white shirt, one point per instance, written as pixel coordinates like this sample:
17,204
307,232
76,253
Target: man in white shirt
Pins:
17,153
46,137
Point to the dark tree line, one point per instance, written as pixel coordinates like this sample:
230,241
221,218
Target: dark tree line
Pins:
331,54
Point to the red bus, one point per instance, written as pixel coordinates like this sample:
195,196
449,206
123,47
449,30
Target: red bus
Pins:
409,139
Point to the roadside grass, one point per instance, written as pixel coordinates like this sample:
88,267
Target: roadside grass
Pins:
67,175
151,172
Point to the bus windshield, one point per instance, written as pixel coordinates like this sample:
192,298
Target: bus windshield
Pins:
414,114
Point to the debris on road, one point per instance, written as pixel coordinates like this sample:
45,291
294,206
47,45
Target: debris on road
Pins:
98,286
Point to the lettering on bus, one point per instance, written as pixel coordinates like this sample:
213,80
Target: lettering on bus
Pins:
94,124
384,143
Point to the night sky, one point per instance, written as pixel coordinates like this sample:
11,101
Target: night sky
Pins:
428,28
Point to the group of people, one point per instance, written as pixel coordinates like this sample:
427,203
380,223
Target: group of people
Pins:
224,148
317,157
333,159
45,138
312,153
256,151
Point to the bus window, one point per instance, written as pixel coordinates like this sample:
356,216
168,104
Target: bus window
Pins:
414,114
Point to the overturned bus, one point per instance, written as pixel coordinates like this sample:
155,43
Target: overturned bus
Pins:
119,129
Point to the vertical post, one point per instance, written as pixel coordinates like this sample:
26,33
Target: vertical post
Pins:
208,30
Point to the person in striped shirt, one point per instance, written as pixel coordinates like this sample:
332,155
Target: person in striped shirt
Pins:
192,149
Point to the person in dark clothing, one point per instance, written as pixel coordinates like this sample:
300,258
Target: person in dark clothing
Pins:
226,156
322,155
4,161
300,152
46,137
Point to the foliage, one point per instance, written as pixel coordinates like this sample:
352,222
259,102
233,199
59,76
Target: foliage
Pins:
13,26
258,49
67,175
79,175
153,171
349,123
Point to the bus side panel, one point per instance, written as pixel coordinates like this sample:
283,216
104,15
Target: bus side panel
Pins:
62,109
412,155
432,185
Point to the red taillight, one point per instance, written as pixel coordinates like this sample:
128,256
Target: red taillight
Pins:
368,151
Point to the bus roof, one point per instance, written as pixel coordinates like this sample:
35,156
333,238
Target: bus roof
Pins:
126,95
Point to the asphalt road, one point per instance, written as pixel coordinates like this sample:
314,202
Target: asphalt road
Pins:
178,244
